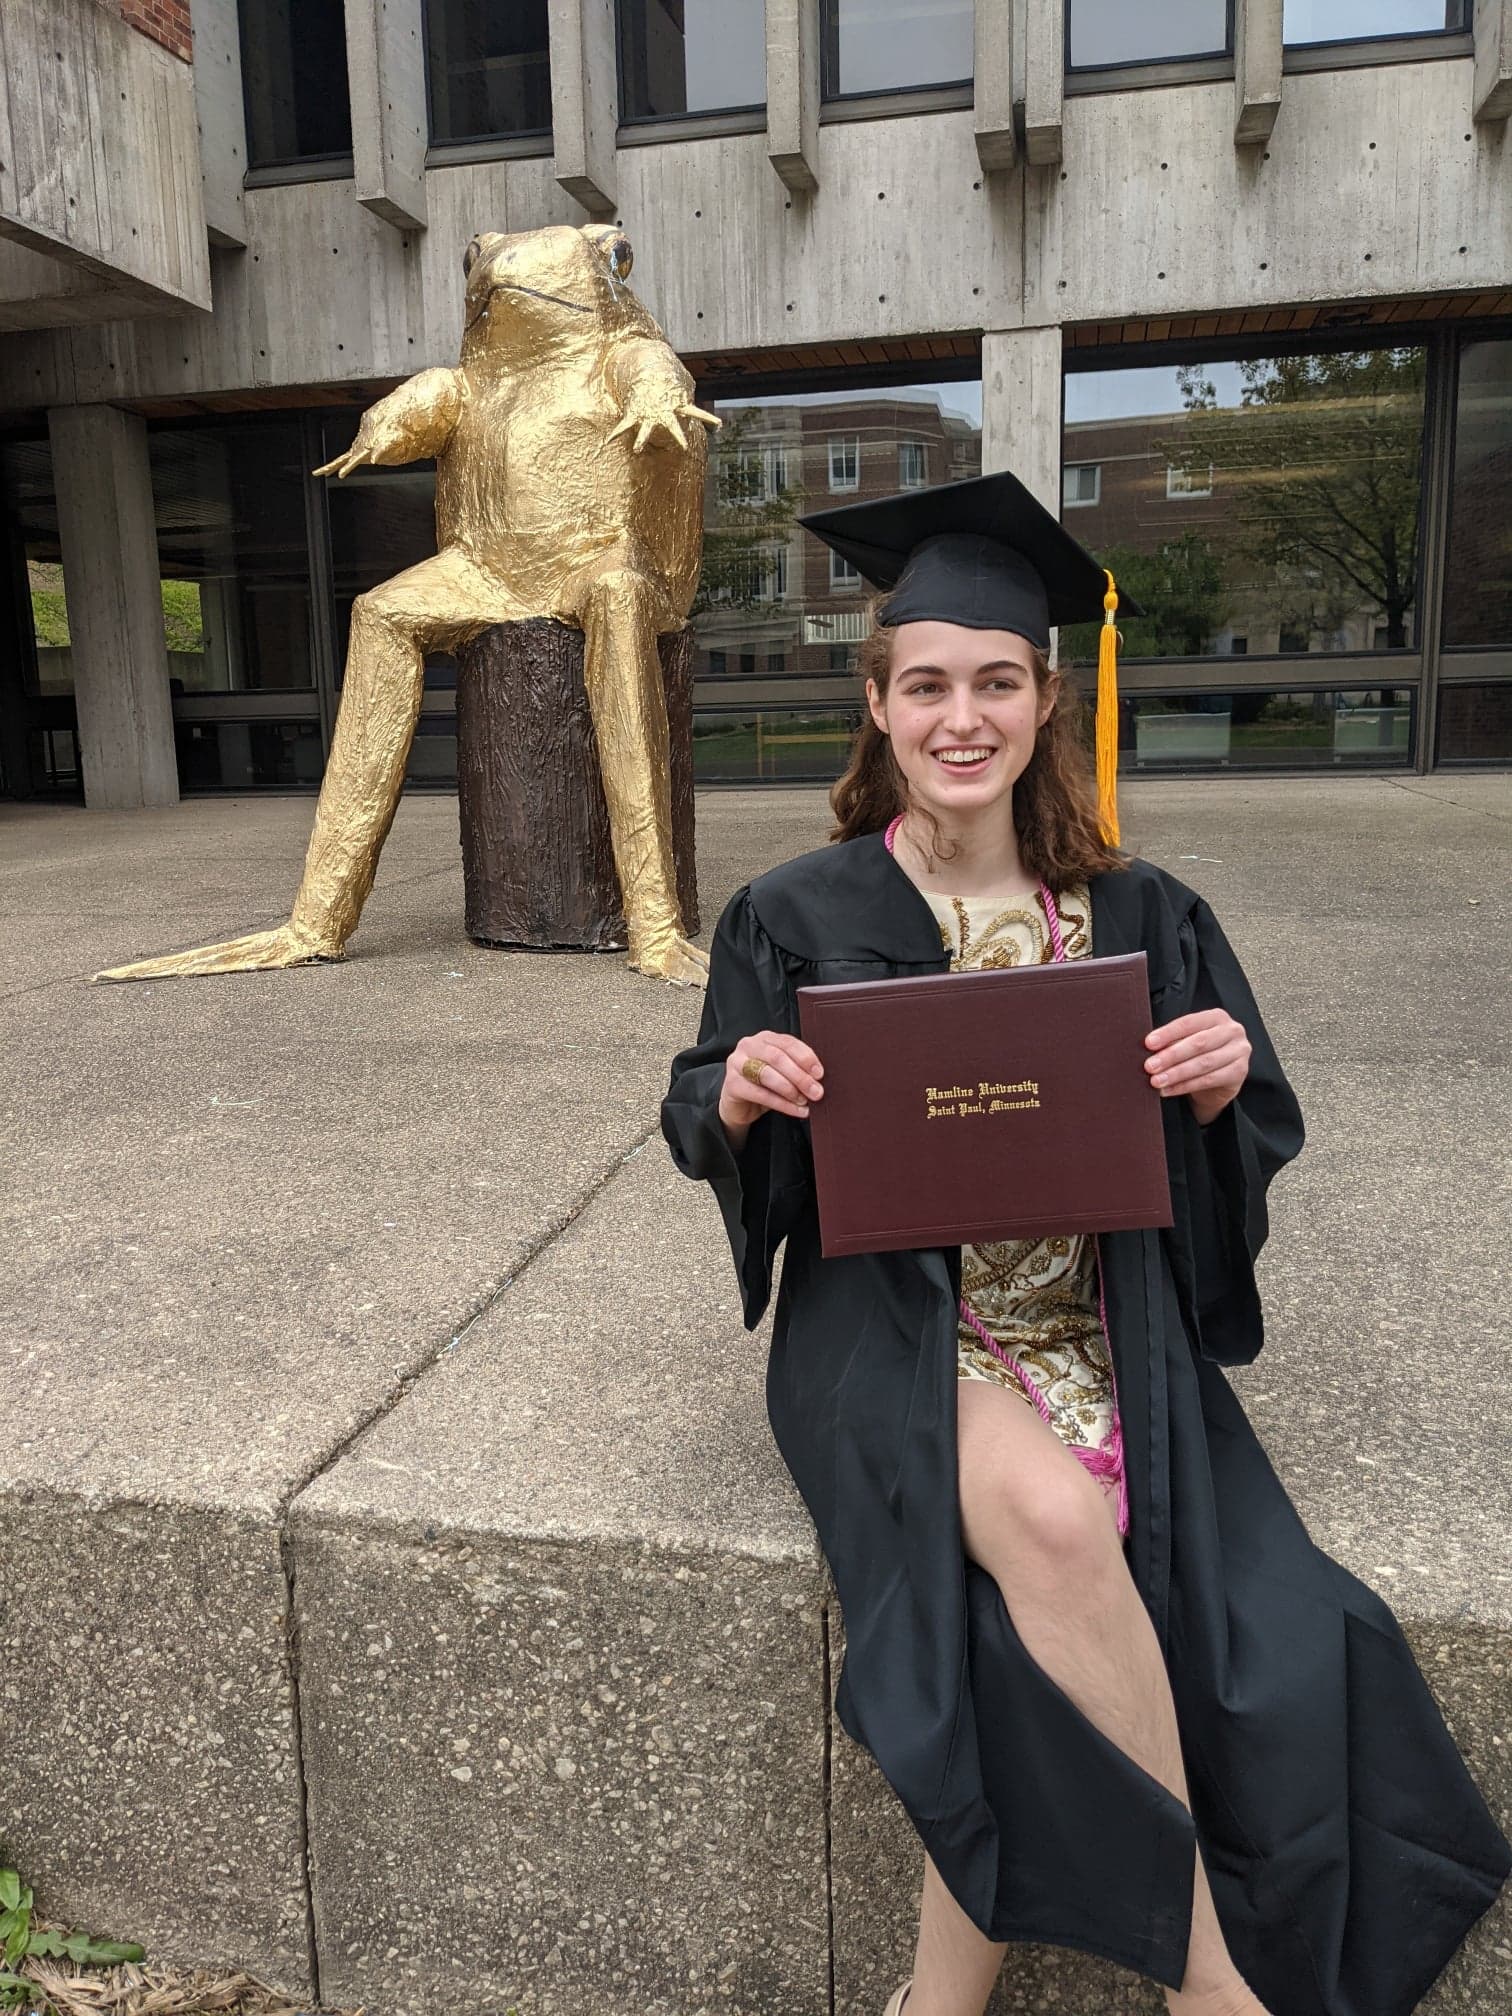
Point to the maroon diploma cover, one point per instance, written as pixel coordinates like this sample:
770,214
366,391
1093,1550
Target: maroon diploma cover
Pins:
1010,1103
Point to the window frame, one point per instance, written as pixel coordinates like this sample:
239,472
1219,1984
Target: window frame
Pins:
922,481
1186,496
847,583
744,114
829,75
457,147
842,440
1082,503
1398,47
1136,71
335,165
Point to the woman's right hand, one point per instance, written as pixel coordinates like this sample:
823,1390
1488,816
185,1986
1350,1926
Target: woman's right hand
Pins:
790,1077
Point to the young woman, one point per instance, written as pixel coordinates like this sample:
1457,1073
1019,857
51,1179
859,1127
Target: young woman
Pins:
1127,1704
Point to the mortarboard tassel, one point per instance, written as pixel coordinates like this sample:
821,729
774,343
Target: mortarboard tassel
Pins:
1107,716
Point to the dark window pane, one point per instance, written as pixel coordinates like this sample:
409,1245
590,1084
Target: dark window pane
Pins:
1475,724
232,552
1353,20
1111,31
690,56
490,72
1478,561
895,45
294,79
1266,730
1300,515
772,745
248,755
768,589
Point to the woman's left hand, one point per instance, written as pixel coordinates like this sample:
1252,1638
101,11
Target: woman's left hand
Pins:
1205,1055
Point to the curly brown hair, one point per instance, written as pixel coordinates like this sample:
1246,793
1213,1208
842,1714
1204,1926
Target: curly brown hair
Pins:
1054,801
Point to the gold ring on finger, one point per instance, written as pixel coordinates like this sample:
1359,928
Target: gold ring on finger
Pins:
753,1068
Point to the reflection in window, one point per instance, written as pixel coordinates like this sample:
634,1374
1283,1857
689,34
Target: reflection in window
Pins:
913,464
1081,483
1478,553
489,68
1305,21
1267,730
294,81
248,755
895,45
772,745
232,552
1104,32
844,464
1475,723
1255,500
681,56
775,602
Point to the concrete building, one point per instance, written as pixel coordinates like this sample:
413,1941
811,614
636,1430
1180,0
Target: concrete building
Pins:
1231,279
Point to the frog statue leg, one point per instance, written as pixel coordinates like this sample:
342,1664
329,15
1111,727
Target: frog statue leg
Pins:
622,607
435,606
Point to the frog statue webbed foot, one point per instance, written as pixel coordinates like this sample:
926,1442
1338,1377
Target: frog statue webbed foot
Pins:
673,959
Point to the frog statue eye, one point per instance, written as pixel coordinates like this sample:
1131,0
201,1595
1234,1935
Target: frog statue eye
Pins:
614,247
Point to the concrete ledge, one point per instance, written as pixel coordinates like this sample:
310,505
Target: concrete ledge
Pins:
563,1675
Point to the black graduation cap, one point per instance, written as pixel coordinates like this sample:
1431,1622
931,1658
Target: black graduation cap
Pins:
984,553
988,555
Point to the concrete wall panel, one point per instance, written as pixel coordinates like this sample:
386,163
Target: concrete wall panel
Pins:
101,161
386,68
222,118
1372,182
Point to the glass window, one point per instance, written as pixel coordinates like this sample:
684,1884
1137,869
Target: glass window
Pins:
233,555
1101,33
248,755
913,465
1475,723
772,600
1236,731
1305,21
294,80
1478,553
896,45
681,56
489,68
1081,483
1251,500
772,745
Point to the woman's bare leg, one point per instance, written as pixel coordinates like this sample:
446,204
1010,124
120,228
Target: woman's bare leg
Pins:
954,1966
1044,1531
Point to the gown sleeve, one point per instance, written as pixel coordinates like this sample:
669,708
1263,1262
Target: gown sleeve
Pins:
1232,1160
761,1190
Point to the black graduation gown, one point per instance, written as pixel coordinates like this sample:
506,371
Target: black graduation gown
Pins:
1348,1848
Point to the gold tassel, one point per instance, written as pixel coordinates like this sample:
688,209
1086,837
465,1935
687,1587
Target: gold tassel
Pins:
1107,717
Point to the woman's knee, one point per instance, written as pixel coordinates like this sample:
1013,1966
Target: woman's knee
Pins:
1026,1503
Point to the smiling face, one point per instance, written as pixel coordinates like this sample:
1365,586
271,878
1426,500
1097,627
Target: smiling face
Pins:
962,708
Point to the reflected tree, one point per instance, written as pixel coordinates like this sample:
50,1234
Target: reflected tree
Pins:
750,514
1326,451
1181,587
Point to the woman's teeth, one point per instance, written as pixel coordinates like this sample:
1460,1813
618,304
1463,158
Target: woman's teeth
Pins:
966,762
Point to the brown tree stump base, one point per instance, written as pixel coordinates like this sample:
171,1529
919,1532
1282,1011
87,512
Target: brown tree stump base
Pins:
537,860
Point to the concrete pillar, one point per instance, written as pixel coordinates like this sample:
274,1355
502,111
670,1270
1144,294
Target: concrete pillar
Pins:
992,94
1257,70
792,85
1021,408
1493,59
1044,79
115,606
222,116
390,123
584,100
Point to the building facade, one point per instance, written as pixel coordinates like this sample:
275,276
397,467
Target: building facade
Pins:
1228,281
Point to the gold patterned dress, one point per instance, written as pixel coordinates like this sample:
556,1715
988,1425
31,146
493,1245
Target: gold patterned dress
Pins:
1037,1297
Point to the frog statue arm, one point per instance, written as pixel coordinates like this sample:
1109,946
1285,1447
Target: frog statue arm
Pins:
416,420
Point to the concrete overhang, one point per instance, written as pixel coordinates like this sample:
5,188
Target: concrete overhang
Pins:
101,210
